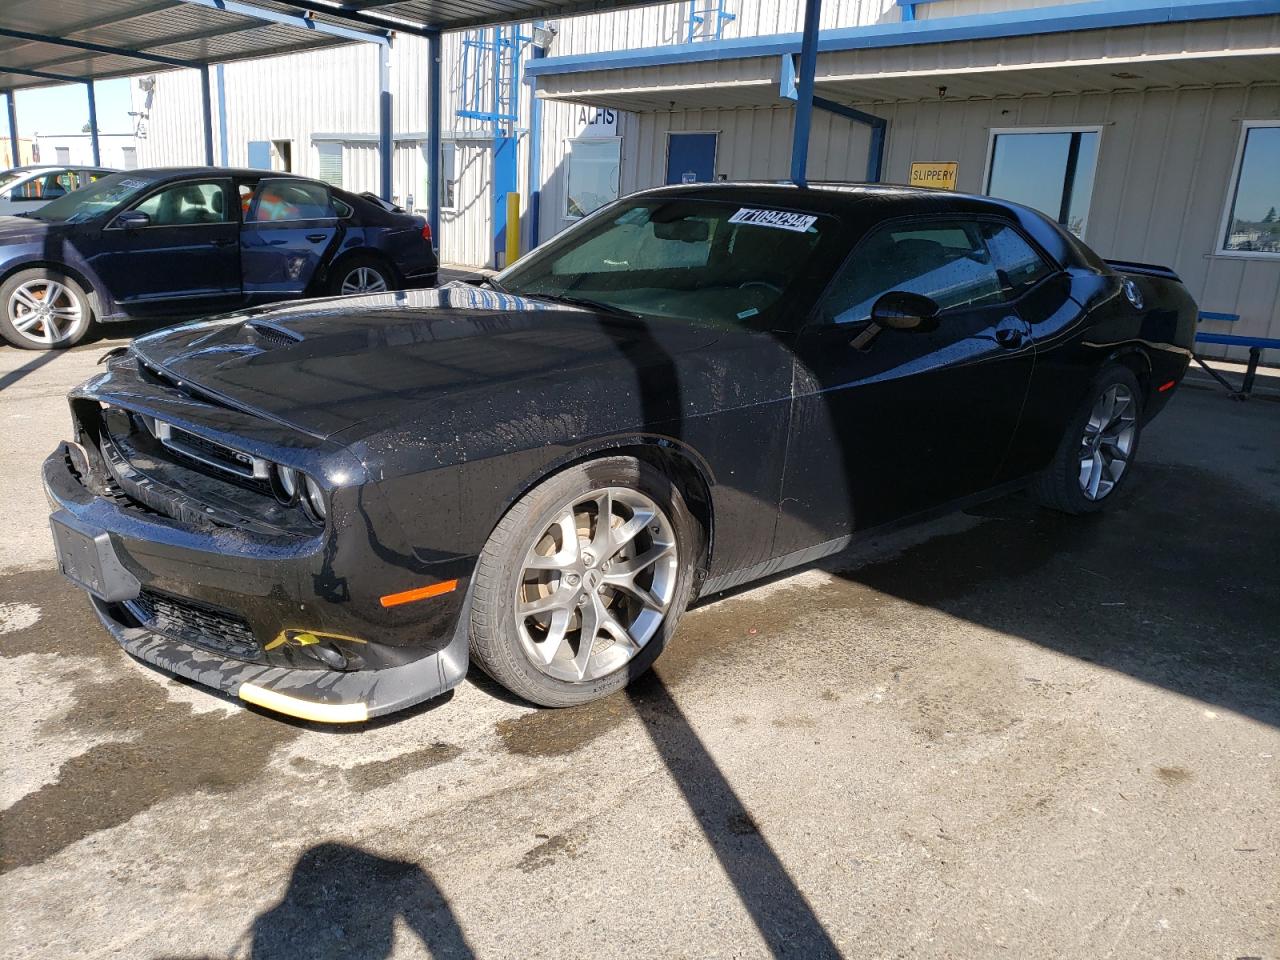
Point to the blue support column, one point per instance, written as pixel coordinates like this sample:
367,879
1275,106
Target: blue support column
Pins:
13,128
804,92
435,143
535,155
206,110
223,149
386,147
93,124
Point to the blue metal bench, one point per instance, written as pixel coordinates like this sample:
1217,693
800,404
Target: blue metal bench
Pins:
1255,346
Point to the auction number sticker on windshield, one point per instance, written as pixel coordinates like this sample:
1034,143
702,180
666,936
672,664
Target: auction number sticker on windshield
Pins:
778,219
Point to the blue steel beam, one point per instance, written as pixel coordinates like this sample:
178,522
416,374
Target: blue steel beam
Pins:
804,92
206,113
535,152
291,19
386,147
434,139
93,123
13,128
367,17
42,75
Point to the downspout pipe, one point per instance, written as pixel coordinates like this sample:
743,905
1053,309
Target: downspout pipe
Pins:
435,144
535,152
93,124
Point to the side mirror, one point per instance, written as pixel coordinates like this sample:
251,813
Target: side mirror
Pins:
132,220
900,310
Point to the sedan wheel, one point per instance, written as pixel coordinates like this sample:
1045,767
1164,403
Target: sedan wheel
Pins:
596,584
583,582
363,279
1108,441
45,312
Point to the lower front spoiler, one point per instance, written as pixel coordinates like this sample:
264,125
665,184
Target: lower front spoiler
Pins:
325,696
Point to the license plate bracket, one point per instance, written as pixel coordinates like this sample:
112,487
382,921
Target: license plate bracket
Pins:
87,557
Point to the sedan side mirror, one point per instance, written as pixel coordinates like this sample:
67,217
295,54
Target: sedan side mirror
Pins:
900,310
132,220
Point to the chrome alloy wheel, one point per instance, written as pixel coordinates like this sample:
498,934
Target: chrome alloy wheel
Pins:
364,280
45,312
1108,441
596,584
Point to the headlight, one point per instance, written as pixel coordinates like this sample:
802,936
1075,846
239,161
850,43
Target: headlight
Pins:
315,499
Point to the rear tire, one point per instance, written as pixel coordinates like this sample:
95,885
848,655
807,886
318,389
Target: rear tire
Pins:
1096,455
43,309
359,274
624,589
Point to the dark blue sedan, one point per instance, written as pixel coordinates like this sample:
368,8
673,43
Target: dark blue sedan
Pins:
184,242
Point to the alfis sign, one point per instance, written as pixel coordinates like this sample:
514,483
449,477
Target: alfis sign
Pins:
597,122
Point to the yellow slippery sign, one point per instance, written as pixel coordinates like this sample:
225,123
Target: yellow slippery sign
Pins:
933,173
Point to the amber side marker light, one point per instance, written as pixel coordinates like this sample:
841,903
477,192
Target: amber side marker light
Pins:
1165,387
421,593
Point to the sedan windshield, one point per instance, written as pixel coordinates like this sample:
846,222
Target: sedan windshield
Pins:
99,197
699,260
12,177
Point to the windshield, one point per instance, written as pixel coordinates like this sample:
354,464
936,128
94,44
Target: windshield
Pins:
99,197
701,260
12,177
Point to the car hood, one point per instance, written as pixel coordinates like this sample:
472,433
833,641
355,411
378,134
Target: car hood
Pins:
21,228
324,366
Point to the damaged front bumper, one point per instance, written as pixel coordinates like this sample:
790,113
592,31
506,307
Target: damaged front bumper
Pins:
206,604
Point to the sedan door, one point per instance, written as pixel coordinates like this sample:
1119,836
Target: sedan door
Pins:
180,260
290,230
891,422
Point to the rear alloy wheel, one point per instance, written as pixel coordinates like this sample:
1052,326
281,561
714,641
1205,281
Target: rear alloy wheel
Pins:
583,581
360,274
1096,454
43,310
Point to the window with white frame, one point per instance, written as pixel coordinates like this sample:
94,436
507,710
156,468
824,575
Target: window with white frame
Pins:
592,179
330,156
1049,169
448,176
1251,224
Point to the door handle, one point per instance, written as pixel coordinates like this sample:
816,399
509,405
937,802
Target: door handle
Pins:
317,237
222,242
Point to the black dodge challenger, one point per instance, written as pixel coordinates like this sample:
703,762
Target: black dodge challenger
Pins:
330,508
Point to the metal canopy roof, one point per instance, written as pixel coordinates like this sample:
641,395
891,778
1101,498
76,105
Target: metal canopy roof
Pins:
50,41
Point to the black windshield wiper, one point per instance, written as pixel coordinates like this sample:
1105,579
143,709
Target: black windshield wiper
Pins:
581,302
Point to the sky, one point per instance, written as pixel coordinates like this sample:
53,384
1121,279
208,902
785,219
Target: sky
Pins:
65,108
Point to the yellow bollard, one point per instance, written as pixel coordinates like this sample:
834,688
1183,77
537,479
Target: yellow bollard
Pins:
513,228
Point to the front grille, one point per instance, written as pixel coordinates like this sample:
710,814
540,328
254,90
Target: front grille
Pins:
195,623
194,448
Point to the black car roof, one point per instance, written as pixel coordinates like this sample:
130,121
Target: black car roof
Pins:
174,173
863,205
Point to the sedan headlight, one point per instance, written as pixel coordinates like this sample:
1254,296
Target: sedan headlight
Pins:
315,500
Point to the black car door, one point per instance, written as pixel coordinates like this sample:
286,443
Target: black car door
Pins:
182,259
889,422
290,229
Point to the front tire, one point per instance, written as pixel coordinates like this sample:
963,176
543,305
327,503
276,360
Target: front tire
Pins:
583,582
1097,452
43,309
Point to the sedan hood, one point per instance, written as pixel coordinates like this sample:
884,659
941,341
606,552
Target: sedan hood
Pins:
21,228
324,366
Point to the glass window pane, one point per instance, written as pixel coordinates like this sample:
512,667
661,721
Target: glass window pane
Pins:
330,156
1032,168
945,261
593,175
1022,267
1254,222
290,200
185,204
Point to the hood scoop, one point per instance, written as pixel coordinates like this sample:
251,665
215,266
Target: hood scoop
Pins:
269,335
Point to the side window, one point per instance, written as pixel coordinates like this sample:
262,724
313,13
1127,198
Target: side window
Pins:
185,205
1020,266
945,260
289,200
